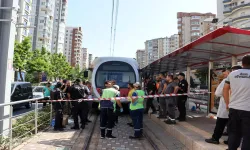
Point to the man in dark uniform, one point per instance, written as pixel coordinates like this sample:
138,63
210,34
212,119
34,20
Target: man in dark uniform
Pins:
56,94
79,108
151,89
181,103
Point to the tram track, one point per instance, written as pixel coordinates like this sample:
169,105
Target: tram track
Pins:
148,142
90,134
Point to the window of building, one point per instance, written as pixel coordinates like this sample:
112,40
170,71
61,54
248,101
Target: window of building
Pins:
195,28
195,23
195,34
195,17
41,21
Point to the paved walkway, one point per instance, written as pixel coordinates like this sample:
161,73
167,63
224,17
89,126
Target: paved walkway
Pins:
75,140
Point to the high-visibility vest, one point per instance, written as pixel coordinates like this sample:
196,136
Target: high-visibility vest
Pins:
139,103
108,93
130,94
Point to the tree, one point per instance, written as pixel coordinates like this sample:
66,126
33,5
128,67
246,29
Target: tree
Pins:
22,52
202,74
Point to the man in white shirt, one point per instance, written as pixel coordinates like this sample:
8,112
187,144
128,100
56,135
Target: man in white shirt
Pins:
222,114
239,106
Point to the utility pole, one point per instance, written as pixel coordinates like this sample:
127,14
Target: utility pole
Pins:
8,17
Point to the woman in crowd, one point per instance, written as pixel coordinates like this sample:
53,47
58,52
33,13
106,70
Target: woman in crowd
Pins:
137,109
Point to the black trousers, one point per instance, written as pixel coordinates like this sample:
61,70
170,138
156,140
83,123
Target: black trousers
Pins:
58,107
221,123
181,104
239,128
149,105
79,109
44,103
106,121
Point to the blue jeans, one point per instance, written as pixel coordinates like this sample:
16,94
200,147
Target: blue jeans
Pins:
137,118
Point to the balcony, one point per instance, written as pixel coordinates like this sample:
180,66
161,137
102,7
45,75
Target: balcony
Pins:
241,17
232,9
227,1
46,8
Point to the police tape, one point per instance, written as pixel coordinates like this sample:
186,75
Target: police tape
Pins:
126,98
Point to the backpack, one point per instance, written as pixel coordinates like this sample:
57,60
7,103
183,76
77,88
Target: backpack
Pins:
80,91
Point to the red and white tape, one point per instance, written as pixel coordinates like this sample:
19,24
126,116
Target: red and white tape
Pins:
126,98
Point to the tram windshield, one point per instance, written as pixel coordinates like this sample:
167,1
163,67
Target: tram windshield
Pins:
121,72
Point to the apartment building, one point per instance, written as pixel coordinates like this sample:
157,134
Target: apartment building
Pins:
171,44
90,60
42,18
154,49
85,58
59,26
141,58
23,19
234,13
191,26
73,46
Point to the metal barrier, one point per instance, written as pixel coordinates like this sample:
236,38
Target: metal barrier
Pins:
6,136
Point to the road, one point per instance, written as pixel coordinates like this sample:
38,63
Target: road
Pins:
22,110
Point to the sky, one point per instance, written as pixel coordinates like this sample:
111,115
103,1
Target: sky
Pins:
138,21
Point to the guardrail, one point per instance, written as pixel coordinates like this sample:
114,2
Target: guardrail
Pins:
6,136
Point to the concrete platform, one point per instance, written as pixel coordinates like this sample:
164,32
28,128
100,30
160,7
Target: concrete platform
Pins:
192,133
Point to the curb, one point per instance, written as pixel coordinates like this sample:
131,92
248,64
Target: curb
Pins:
193,138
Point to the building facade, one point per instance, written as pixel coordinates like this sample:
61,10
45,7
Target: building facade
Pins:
85,58
191,26
154,49
90,60
73,46
42,18
234,13
60,14
141,58
171,44
23,19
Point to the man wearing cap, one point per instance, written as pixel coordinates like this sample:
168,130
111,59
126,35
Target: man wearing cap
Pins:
107,110
181,102
78,92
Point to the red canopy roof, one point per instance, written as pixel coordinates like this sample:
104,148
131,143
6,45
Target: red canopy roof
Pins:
218,46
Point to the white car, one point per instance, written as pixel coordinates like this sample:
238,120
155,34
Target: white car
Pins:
38,92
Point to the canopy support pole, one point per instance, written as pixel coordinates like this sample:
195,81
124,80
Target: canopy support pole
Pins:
210,67
188,77
234,60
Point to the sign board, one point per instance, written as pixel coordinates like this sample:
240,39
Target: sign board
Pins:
216,78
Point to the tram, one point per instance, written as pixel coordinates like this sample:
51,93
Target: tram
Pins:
122,70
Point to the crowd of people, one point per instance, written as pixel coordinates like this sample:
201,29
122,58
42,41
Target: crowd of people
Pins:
167,105
233,112
234,107
65,90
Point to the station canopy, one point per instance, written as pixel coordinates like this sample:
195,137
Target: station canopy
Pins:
218,46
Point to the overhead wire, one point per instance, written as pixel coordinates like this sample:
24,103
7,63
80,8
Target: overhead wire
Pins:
112,16
116,16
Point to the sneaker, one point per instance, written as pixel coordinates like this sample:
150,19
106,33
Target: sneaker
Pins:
134,137
110,136
169,121
181,119
89,121
130,124
225,134
212,141
154,112
226,142
83,126
75,128
102,137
